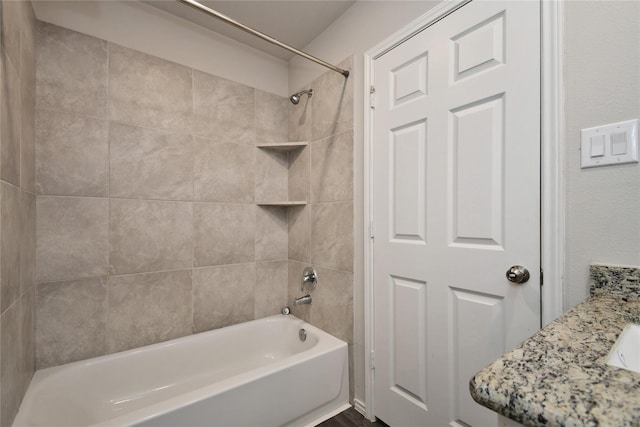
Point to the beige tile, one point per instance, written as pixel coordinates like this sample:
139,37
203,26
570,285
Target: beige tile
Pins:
28,101
223,109
332,103
150,163
223,171
148,91
299,174
10,30
223,233
73,155
28,152
28,141
10,241
294,281
70,321
10,122
300,117
223,295
27,37
272,121
271,293
332,168
332,235
332,307
10,364
27,241
149,236
72,71
272,174
148,308
71,238
271,233
299,233
28,337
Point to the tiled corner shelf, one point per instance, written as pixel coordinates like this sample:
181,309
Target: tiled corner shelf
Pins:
282,147
282,203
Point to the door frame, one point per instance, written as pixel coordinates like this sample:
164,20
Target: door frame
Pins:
552,161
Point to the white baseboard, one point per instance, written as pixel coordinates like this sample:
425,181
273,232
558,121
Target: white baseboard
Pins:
359,406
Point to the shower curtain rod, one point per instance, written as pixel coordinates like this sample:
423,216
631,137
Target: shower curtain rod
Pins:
202,8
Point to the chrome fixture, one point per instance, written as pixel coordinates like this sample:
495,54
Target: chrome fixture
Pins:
302,300
286,311
302,334
518,274
309,279
202,8
295,98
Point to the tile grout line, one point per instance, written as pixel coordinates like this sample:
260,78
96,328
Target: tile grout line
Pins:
193,196
255,189
107,332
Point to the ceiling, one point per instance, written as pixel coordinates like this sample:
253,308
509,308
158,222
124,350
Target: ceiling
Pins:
294,22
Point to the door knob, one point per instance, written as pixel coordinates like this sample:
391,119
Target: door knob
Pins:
518,274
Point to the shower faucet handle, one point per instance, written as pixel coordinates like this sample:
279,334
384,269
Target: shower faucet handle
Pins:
309,279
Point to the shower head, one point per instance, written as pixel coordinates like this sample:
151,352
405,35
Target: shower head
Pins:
295,98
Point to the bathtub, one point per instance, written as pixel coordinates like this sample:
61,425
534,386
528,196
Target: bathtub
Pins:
257,373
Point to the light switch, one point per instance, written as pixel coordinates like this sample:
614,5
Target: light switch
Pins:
597,145
612,144
618,144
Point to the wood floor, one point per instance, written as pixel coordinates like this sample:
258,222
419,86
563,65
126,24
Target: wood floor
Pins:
351,418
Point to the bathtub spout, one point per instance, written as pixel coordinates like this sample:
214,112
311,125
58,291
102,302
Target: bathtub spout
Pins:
302,300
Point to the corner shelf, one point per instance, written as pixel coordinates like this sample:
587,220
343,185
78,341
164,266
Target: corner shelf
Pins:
283,203
283,146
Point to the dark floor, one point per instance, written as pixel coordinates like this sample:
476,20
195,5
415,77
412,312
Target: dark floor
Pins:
351,418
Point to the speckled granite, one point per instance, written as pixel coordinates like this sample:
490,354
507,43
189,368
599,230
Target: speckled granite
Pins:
559,376
615,281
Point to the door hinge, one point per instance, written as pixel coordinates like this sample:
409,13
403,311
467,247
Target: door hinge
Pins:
541,277
372,360
372,99
372,230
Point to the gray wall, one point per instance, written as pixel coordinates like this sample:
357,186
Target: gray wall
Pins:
602,84
146,177
17,205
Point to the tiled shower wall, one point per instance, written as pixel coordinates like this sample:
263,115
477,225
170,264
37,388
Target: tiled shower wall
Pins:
321,233
146,178
147,175
17,204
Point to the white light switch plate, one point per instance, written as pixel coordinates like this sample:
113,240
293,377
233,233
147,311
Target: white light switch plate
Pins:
612,144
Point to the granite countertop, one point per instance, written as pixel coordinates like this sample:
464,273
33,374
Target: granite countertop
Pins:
559,375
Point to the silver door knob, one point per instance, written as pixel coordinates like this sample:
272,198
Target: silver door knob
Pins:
518,274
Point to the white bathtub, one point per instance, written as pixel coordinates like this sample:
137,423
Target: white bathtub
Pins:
257,373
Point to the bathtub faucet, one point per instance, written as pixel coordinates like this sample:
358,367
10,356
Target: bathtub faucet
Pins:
302,300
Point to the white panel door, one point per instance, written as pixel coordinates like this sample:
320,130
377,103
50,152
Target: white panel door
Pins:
456,202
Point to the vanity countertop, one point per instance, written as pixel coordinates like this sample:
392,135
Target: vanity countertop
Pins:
559,375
